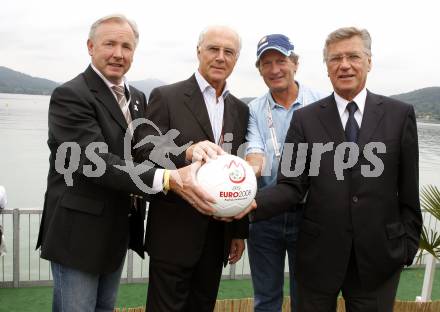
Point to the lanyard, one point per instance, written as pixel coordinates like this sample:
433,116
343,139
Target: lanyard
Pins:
273,133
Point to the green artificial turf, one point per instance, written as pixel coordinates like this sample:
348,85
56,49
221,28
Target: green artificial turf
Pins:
134,295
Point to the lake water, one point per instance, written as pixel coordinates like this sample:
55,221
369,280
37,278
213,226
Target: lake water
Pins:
24,162
24,155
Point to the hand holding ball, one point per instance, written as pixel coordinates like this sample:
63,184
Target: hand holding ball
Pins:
231,181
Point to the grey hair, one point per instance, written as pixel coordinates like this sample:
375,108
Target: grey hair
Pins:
347,33
204,31
293,57
117,18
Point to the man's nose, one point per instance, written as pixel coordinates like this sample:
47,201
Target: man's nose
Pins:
220,55
345,64
117,52
274,68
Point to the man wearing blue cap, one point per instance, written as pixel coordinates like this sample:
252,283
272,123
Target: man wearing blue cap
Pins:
360,227
269,120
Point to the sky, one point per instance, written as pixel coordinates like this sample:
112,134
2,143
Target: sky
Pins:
47,38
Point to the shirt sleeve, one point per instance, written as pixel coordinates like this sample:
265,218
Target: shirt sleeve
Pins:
158,181
253,136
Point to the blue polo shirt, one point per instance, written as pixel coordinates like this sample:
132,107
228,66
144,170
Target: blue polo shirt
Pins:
258,132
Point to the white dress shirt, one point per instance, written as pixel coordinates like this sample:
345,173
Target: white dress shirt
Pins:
215,105
158,174
110,84
359,99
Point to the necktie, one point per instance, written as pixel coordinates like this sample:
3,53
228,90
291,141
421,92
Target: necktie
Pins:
351,128
122,101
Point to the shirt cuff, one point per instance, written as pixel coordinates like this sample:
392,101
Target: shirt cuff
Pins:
256,150
158,180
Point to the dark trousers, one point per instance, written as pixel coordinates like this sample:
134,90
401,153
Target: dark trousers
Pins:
357,299
175,288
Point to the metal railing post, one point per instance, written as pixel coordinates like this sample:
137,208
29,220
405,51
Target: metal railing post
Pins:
232,271
130,266
428,279
16,248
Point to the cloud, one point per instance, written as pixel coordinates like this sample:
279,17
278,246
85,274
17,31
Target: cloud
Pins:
47,38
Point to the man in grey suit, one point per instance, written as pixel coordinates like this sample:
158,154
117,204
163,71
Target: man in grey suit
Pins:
362,217
92,209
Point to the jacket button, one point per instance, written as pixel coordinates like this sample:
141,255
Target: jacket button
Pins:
355,199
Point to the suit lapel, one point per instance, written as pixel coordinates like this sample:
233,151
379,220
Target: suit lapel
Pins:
105,96
331,121
196,104
373,113
135,106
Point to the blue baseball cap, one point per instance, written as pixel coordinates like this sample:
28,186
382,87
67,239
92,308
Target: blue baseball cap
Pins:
277,42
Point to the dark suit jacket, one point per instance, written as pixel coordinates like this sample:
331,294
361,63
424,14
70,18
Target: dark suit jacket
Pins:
380,217
175,230
86,226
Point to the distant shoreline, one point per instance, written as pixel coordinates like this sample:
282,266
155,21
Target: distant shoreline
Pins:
419,119
39,93
428,121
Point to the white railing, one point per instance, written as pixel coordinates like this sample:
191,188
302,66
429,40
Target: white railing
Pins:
22,265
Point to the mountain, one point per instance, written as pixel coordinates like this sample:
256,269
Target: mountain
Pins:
147,85
12,81
426,102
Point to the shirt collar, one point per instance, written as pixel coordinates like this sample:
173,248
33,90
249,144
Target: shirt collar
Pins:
359,99
108,82
298,101
204,85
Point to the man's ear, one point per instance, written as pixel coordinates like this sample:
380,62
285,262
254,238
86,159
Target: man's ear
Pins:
198,53
90,46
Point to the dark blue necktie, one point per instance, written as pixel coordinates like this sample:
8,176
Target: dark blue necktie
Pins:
351,128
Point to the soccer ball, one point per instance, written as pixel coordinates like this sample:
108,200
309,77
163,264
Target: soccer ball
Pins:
231,181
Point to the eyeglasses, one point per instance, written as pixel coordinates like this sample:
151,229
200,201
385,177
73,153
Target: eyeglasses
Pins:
352,58
216,50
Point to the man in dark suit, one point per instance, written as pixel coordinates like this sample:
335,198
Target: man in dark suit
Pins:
92,209
362,218
186,248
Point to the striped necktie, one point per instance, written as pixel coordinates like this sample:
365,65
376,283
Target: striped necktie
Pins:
122,101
